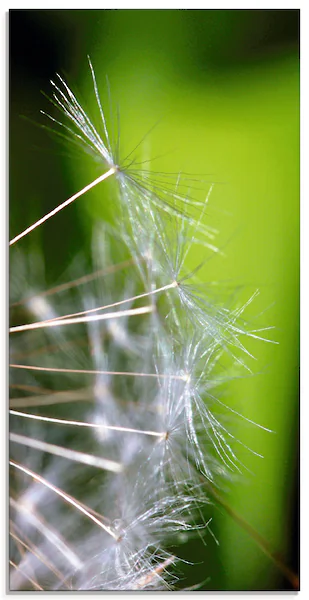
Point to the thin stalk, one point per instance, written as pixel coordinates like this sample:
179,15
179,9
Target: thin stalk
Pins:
82,457
62,287
34,583
48,399
63,205
47,531
85,424
119,303
63,495
40,557
95,372
62,321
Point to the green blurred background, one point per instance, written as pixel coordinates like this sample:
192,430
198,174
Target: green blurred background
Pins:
225,86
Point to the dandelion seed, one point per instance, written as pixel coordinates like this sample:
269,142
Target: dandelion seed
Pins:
144,429
133,184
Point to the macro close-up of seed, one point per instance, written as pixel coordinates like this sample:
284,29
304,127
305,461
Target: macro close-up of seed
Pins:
153,406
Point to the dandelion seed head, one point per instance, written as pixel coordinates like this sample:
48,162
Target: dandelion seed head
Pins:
122,422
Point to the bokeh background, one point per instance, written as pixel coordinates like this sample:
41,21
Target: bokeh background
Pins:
224,86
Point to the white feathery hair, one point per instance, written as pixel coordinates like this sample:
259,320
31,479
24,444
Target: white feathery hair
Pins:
115,427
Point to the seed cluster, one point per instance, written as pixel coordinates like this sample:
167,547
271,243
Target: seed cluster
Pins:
117,431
